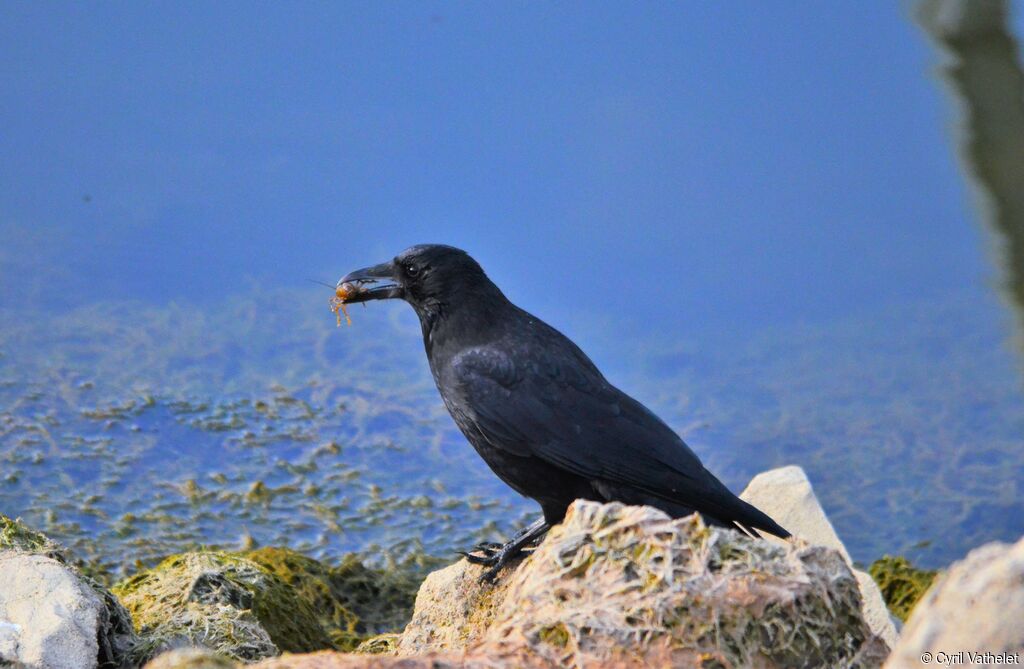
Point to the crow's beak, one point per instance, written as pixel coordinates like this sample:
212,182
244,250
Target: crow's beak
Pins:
358,286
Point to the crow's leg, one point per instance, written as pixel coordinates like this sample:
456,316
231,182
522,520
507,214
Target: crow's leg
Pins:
502,556
488,548
491,548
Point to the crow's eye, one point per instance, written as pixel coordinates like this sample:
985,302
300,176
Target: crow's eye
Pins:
412,270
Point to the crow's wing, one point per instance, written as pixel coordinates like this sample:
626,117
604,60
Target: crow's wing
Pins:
552,403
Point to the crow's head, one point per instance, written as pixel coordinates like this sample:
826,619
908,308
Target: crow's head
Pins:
423,275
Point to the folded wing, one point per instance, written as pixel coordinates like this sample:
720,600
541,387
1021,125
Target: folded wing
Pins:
558,407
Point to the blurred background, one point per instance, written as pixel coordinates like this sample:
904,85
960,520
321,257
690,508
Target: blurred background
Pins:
795,233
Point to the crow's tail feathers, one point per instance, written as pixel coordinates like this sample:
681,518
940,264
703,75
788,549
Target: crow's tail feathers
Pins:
717,506
751,519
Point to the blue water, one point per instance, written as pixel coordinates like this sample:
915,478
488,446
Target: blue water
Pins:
752,217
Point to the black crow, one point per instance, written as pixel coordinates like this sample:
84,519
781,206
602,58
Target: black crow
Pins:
535,407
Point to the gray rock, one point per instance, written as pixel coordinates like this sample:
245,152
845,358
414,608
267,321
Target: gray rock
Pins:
975,607
786,495
116,639
49,618
9,635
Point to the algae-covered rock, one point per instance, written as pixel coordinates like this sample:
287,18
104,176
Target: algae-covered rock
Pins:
113,637
902,584
787,496
15,535
190,658
223,602
628,586
974,608
351,601
312,582
257,603
382,599
382,644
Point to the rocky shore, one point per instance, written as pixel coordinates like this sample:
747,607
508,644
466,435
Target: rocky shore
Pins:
612,586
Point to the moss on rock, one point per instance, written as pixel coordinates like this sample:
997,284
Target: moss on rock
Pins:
352,602
257,603
15,535
901,583
220,601
313,582
382,644
383,599
556,635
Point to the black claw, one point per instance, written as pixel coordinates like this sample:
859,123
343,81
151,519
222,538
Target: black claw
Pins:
489,553
496,556
496,563
487,560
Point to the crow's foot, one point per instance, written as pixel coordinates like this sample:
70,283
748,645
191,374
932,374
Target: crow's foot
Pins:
487,550
496,556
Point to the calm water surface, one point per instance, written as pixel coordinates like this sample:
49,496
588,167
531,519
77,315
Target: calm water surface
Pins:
755,220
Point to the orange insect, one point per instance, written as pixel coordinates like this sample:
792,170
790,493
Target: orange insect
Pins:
341,293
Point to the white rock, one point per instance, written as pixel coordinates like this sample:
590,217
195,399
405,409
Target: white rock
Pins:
9,633
786,495
975,607
50,618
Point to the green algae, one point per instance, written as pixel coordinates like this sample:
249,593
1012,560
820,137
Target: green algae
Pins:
381,644
220,601
352,602
901,583
382,598
15,535
314,501
315,584
557,635
252,604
